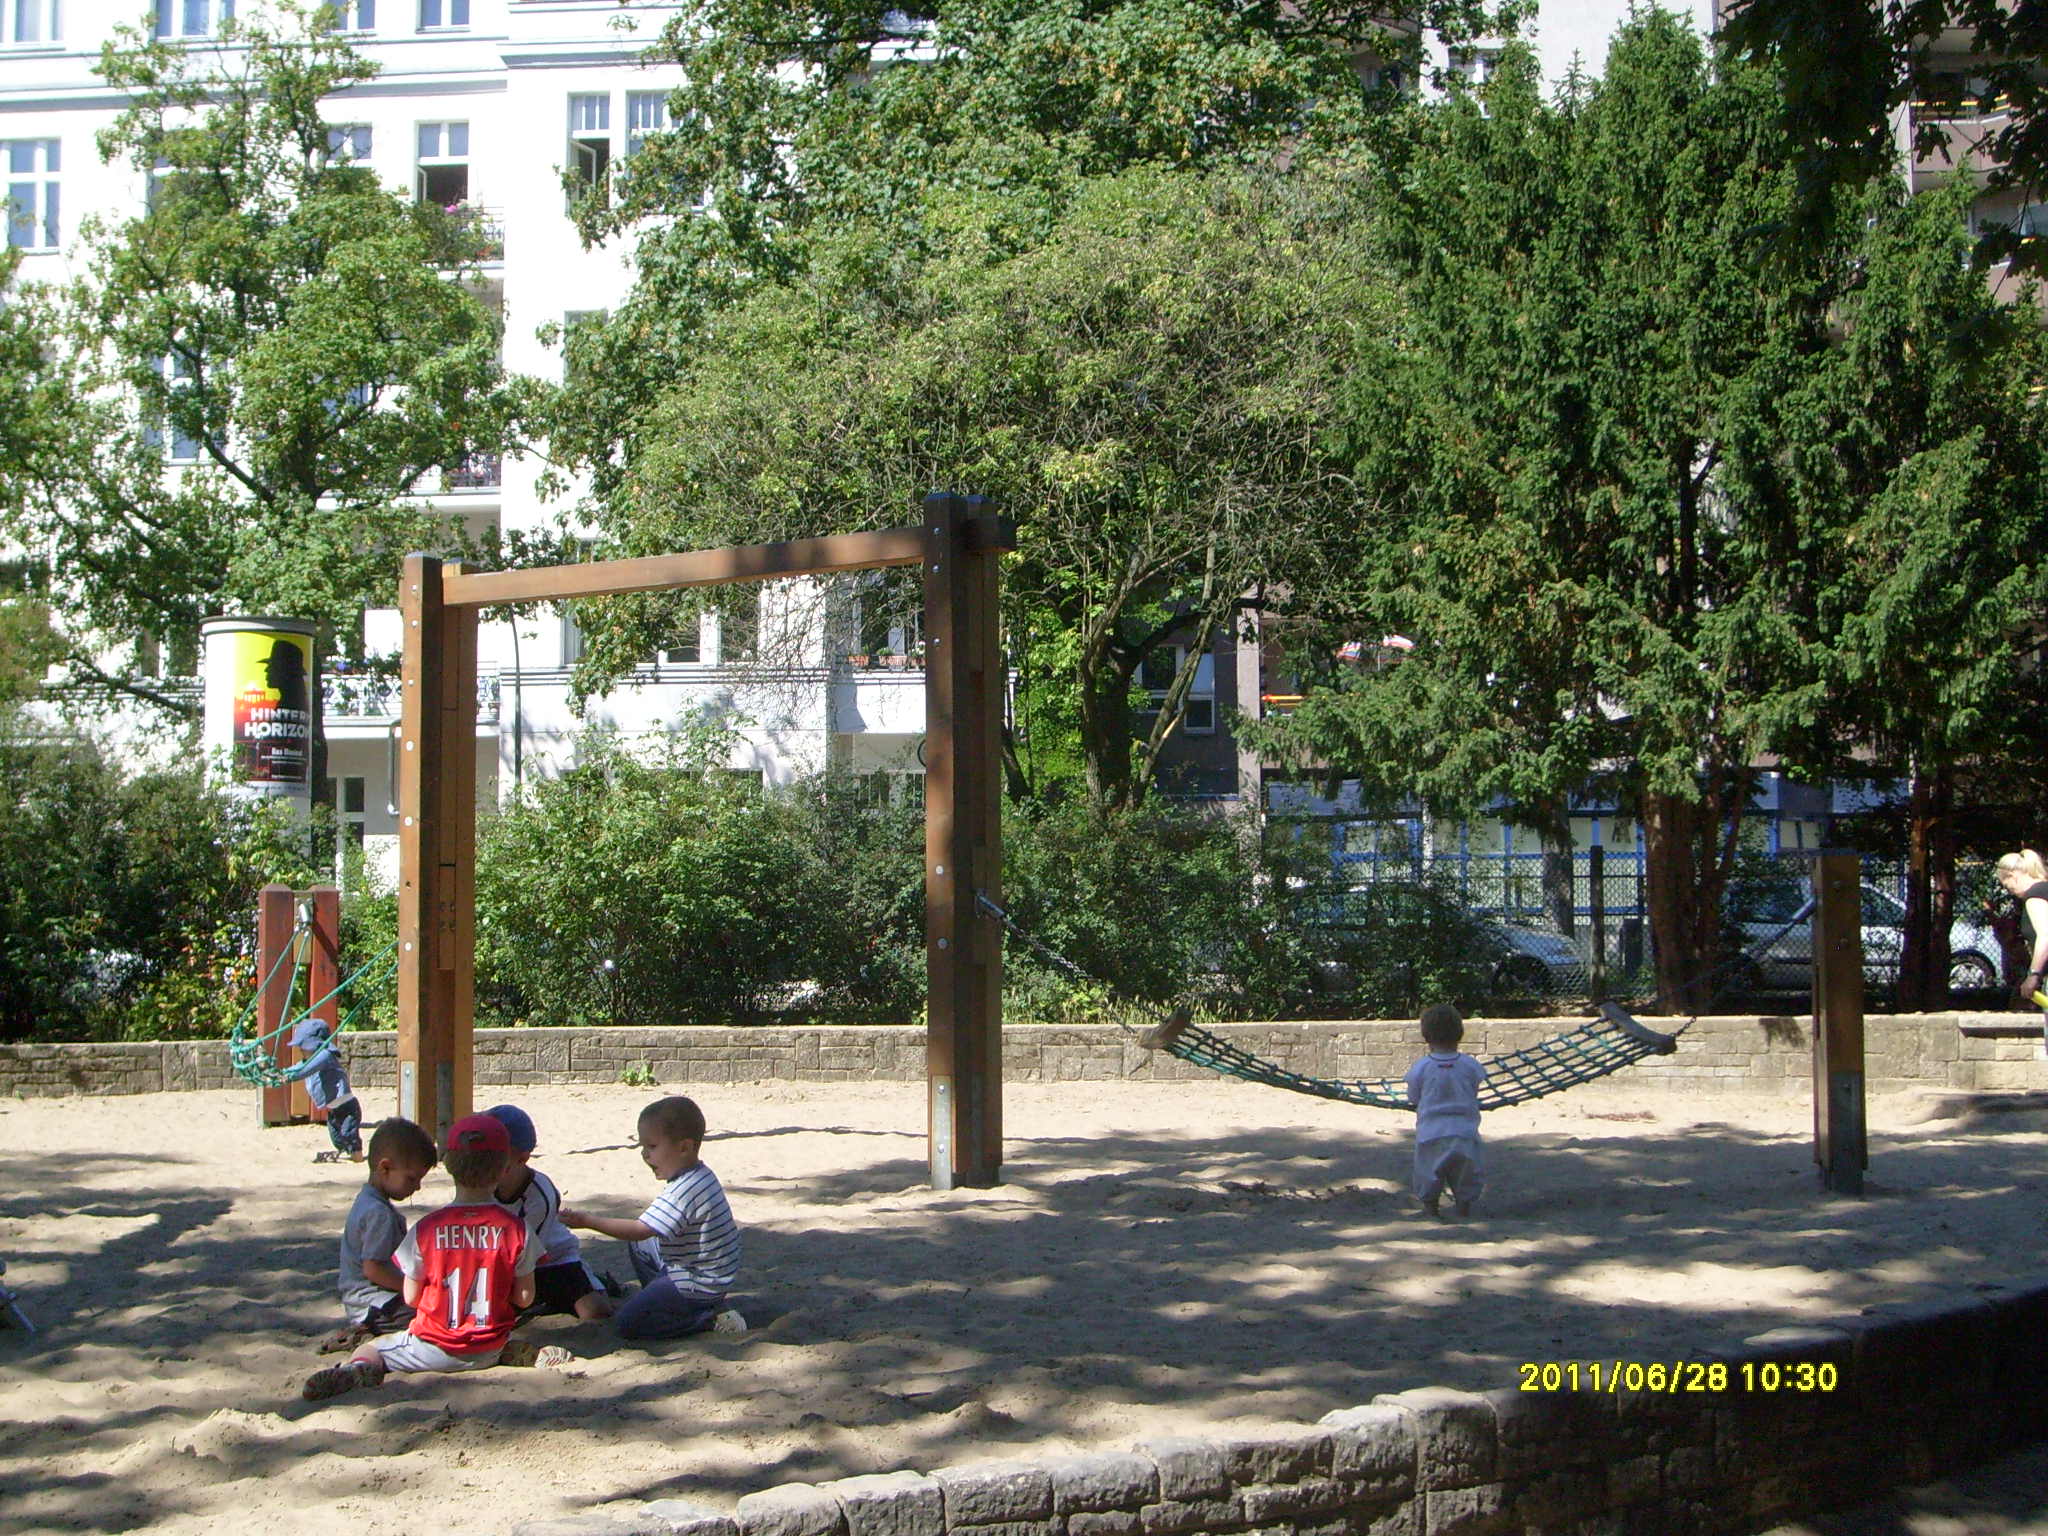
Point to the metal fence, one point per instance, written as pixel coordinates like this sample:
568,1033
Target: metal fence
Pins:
1601,946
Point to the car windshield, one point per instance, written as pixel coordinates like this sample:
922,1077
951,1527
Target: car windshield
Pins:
1773,903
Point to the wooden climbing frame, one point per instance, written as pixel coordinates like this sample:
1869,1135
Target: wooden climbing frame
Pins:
957,543
277,908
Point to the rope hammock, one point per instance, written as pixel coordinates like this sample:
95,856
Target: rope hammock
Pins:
250,1055
1596,1049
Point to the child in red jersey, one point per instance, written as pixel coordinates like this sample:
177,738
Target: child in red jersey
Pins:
468,1269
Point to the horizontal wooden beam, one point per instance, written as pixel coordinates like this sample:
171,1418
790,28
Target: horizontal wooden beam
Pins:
700,568
989,533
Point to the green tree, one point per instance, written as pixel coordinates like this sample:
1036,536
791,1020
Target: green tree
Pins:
799,121
273,316
852,156
1590,338
1920,442
1849,65
1144,388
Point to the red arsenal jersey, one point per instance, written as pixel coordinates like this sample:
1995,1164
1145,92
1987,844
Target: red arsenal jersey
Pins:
467,1258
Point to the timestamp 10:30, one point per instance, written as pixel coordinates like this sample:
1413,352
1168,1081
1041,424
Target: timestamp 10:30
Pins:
1679,1376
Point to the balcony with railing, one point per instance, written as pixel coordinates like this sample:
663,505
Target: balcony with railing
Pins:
471,235
476,472
375,696
1941,139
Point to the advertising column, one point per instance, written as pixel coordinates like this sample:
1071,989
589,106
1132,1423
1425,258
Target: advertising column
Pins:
258,727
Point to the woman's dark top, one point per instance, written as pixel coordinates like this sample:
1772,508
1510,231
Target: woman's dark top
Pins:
2038,888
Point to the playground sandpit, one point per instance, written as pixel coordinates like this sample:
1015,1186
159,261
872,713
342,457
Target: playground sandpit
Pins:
1166,1259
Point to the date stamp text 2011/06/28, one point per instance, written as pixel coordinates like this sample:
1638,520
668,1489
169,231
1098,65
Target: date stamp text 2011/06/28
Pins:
1678,1376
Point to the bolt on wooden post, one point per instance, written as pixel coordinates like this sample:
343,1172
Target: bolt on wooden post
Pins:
1841,1142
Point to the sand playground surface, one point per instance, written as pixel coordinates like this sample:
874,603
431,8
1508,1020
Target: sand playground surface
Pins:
1165,1258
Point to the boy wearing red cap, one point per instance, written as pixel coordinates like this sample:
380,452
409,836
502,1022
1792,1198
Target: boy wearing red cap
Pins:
468,1269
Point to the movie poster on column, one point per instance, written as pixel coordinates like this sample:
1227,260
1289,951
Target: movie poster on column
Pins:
273,730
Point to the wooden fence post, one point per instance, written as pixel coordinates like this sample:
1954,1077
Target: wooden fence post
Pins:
1840,1136
276,917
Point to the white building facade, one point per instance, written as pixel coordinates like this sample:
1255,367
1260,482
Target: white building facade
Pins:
482,105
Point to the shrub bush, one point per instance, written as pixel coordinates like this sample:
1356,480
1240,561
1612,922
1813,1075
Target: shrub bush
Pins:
633,891
125,904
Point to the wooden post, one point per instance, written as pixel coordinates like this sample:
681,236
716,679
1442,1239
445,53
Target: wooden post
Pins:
275,920
1596,902
964,684
1840,1140
323,975
436,839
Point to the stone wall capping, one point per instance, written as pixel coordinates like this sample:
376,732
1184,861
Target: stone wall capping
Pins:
1952,1052
993,1492
1455,1435
680,1517
890,1504
1283,1453
1108,1480
792,1509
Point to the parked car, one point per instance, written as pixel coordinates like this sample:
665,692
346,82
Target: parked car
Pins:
1770,924
1392,924
1537,962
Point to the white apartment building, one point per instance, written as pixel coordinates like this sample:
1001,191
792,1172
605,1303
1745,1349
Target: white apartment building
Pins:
483,103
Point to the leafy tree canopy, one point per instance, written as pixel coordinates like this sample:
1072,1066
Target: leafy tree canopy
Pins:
1589,338
801,120
1144,388
275,317
1848,65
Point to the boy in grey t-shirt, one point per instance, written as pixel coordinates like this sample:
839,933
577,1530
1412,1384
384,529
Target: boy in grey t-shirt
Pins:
372,1289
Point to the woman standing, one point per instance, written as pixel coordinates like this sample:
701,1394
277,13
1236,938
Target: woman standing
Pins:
2025,878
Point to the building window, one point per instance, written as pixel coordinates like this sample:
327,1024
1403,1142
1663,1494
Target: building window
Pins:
31,193
573,321
354,15
444,163
180,446
348,143
31,21
182,375
1474,66
646,112
739,625
349,800
443,13
1156,674
191,18
685,647
590,147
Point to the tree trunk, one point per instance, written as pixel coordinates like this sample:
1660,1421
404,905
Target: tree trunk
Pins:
1106,739
1668,834
1689,846
1930,892
1559,899
1550,820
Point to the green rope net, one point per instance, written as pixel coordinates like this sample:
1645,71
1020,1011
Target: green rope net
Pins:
1595,1049
250,1054
1592,1051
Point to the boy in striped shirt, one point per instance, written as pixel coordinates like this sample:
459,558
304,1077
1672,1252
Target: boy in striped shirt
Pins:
685,1246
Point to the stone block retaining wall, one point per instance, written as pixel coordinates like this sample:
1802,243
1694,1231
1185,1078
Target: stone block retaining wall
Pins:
1966,1052
1919,1392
